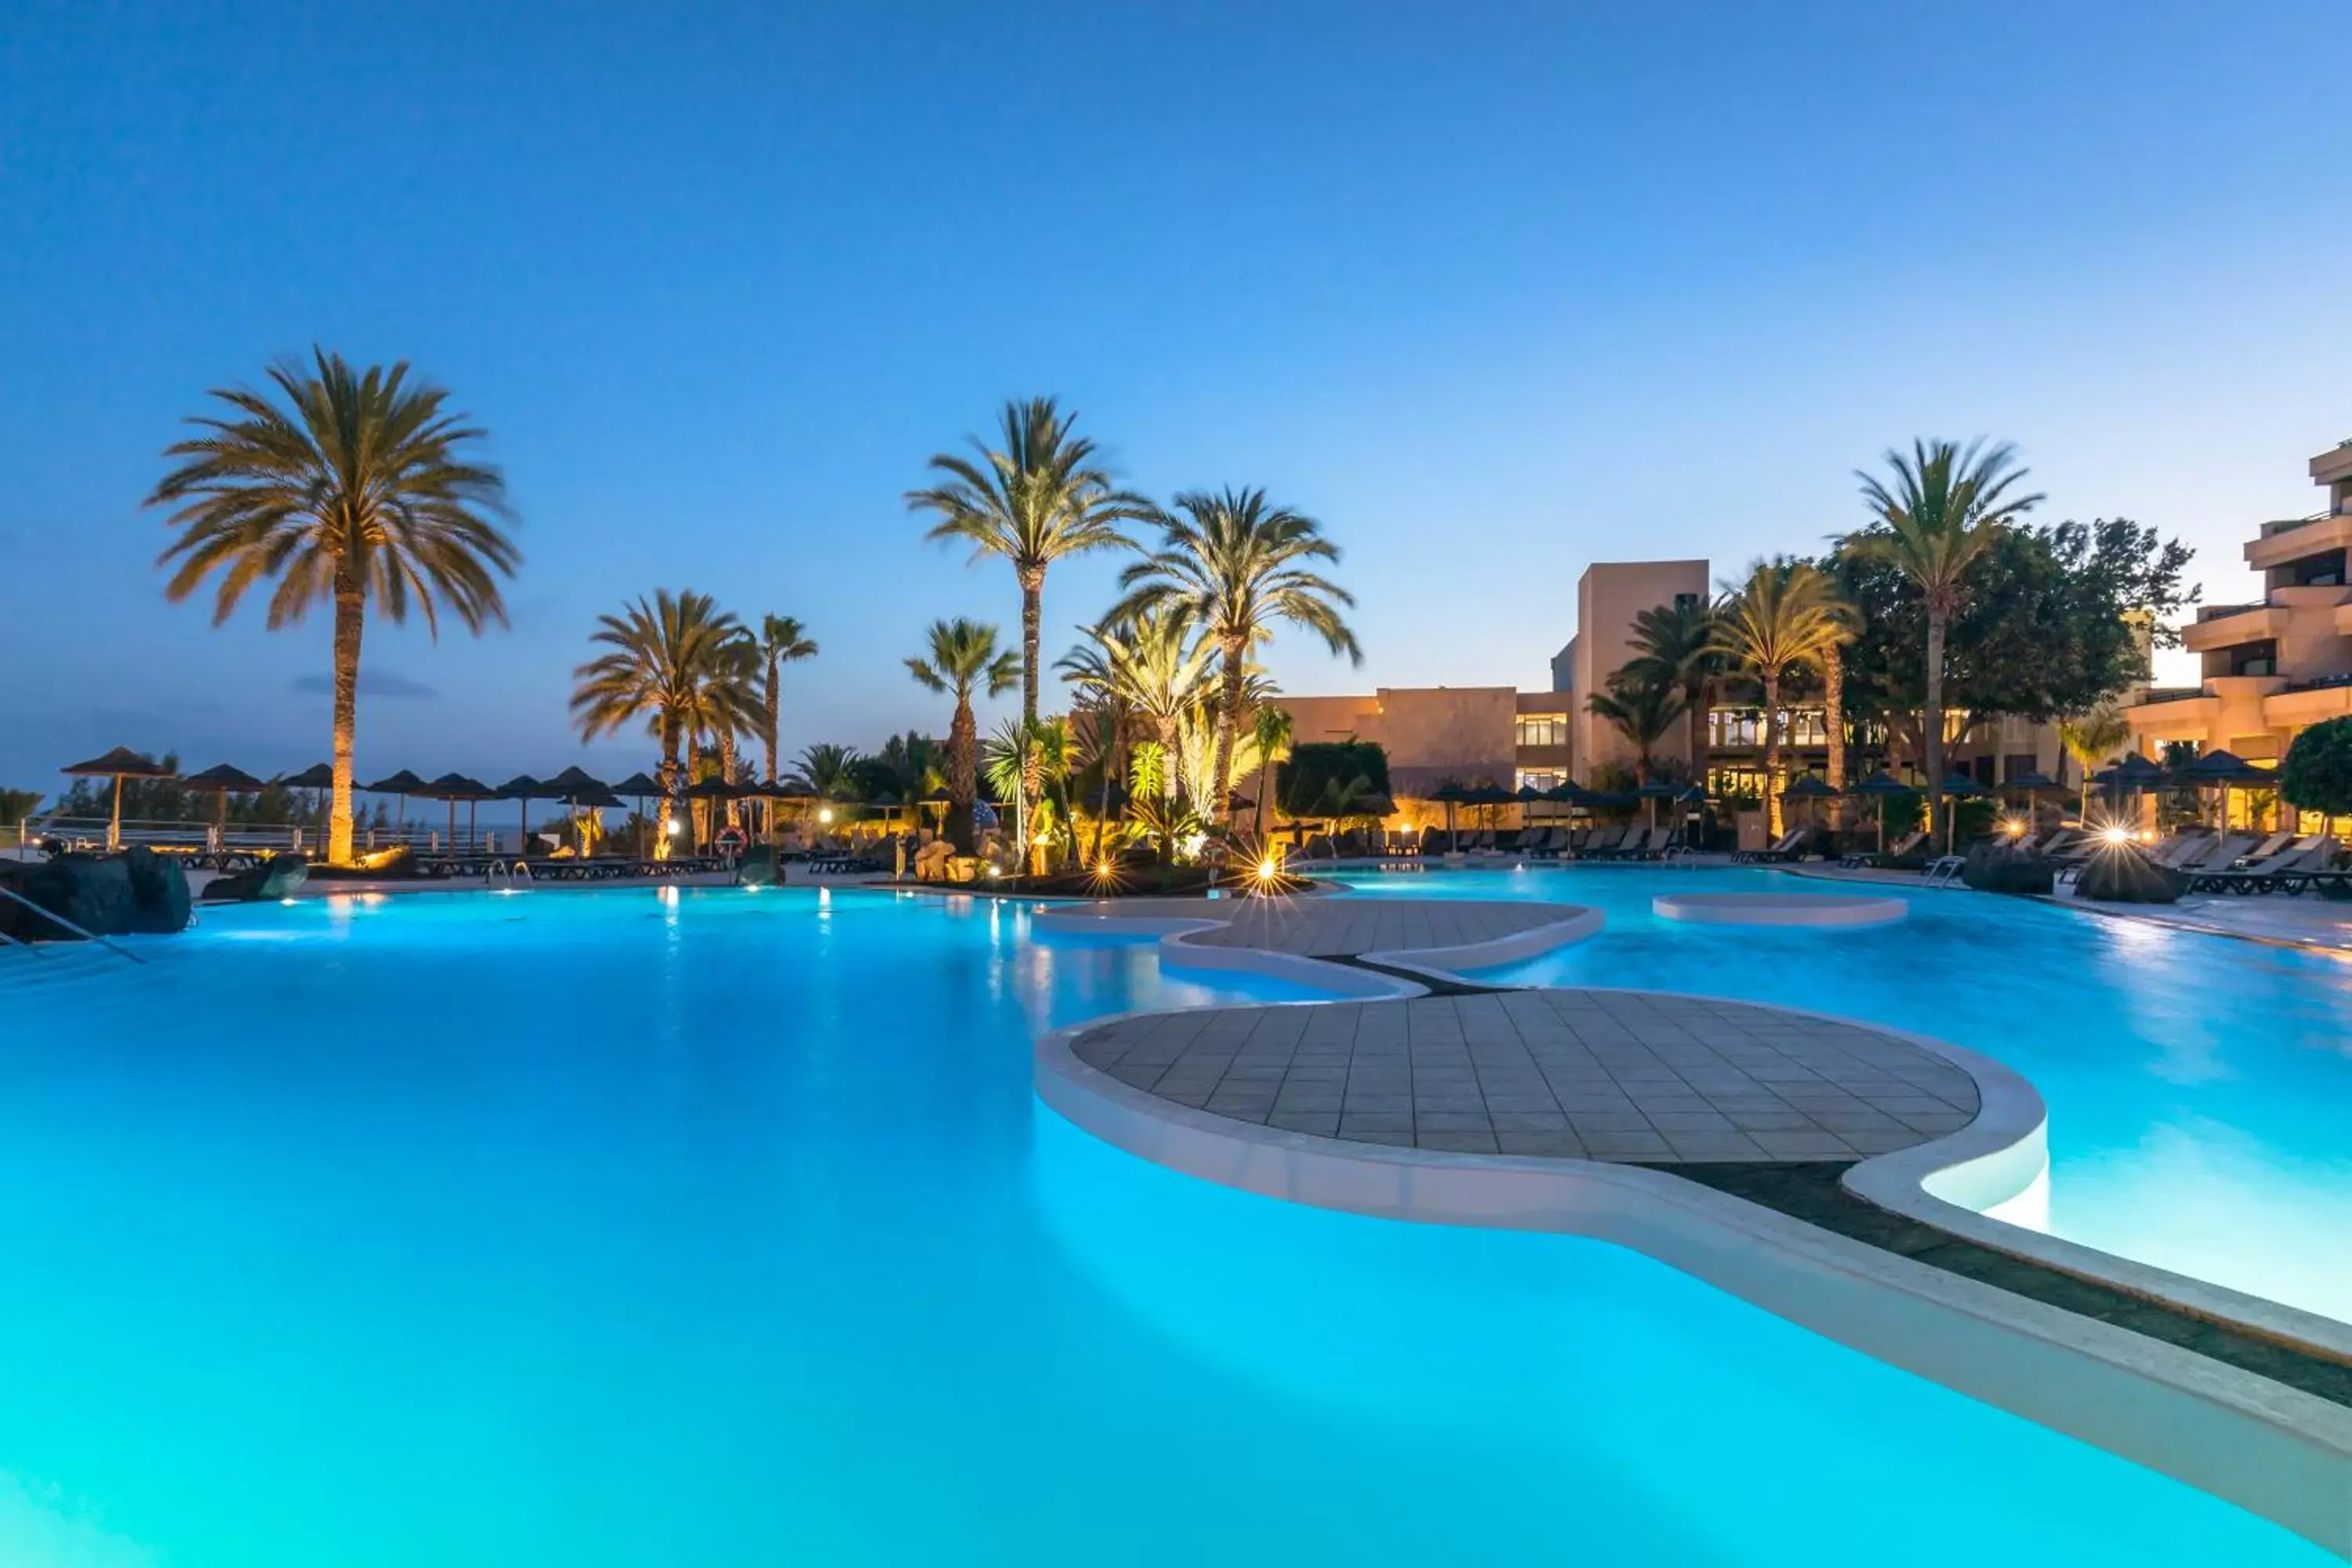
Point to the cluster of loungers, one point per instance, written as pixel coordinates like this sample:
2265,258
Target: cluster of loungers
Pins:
1532,843
2213,863
2282,863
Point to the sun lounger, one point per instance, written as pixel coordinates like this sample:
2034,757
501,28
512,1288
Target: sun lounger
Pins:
2288,871
1601,843
2188,847
1789,847
1894,851
2220,854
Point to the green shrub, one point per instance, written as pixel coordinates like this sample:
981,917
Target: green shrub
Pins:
1318,771
2317,773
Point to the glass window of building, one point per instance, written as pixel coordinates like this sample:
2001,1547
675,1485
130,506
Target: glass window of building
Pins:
1543,730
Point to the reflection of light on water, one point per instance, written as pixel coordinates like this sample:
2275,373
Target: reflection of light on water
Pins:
2204,1199
39,1528
2029,1208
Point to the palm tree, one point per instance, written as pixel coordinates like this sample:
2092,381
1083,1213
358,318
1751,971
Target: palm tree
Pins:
1042,498
1232,563
783,640
355,490
1645,711
1155,663
1272,731
963,658
1673,645
675,662
1945,509
824,769
2092,736
1103,736
1784,619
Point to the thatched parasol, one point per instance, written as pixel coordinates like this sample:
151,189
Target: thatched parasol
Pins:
118,764
223,781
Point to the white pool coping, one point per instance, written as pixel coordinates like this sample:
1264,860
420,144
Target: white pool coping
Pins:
1177,950
1794,910
2271,1449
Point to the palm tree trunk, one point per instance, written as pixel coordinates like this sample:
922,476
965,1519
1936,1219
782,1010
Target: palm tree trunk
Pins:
1166,728
963,775
769,702
1834,722
1033,607
669,740
1229,724
1265,793
1772,756
351,616
727,773
1695,701
1933,724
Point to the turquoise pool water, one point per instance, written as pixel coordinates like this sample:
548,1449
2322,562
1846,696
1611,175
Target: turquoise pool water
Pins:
611,1228
2200,1087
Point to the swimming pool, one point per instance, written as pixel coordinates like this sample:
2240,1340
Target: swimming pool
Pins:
622,1228
2197,1085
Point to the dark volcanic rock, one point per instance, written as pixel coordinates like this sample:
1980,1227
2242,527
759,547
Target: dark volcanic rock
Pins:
159,891
2121,874
93,891
2000,869
759,868
276,877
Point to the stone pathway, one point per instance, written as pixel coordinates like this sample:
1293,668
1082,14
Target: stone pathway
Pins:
1334,927
1573,1074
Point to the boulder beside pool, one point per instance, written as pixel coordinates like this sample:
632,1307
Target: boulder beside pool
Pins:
137,890
2004,869
2121,874
159,892
279,877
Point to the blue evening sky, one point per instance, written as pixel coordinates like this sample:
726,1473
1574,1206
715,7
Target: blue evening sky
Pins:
1492,290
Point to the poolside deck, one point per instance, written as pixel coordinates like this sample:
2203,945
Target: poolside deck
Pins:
1571,1074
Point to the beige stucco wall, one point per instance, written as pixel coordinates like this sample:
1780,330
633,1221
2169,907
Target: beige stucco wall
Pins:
1429,732
1608,597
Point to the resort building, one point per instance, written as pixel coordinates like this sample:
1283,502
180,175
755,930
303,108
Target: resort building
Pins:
1505,736
2284,662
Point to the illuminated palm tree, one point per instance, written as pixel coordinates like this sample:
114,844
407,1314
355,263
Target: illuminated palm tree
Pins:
2092,736
1945,508
1042,497
355,491
783,640
1783,620
677,662
1643,712
1673,645
1236,565
1155,663
962,657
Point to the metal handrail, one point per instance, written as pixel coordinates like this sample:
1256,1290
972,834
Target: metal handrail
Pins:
14,896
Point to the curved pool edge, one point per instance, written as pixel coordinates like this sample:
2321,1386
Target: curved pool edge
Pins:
2276,1451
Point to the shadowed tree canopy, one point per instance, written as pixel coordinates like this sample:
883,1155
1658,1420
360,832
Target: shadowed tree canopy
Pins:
2054,622
2317,774
1306,780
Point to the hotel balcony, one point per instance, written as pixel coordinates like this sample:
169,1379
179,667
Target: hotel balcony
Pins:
2227,626
2333,466
2282,542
